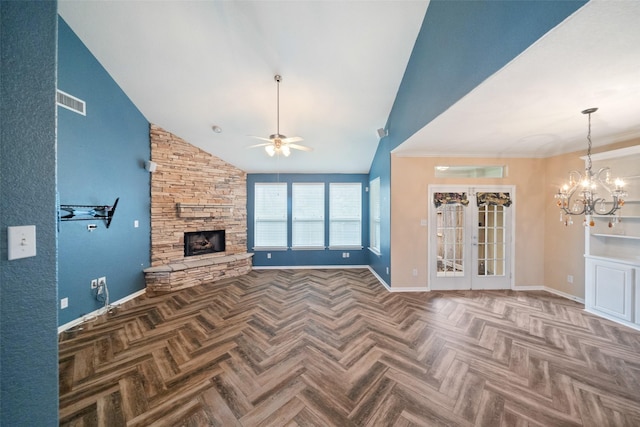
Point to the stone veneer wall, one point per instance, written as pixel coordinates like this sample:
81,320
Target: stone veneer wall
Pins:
192,190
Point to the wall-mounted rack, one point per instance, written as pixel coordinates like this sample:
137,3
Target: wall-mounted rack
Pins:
88,212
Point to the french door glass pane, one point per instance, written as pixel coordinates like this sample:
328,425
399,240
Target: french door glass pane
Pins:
451,240
491,241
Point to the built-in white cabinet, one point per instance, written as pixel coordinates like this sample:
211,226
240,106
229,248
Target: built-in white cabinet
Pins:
611,289
612,246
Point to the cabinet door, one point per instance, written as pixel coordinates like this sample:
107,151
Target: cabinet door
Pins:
610,289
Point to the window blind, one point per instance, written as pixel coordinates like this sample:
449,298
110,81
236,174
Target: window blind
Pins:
270,206
307,215
345,214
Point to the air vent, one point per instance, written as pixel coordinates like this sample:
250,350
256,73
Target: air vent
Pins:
71,102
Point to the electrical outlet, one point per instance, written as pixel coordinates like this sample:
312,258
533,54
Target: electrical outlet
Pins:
570,278
64,303
94,283
269,255
102,282
415,272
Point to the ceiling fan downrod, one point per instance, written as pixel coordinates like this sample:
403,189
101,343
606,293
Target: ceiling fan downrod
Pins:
278,79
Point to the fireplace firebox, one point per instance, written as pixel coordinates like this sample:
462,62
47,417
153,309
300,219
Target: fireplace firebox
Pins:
203,242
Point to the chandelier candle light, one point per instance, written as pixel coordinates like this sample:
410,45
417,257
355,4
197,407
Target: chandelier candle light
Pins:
580,196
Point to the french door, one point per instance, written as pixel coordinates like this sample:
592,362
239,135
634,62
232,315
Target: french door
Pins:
470,237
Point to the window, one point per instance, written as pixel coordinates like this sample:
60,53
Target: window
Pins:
270,215
442,171
308,215
345,214
374,215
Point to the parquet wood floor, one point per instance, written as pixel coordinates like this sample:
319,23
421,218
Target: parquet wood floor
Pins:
334,348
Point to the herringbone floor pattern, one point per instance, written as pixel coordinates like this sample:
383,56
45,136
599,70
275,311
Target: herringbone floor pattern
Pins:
334,348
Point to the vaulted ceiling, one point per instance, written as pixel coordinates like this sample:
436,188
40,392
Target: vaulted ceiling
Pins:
191,65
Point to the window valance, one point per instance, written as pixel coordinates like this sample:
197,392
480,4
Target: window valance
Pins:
450,199
493,199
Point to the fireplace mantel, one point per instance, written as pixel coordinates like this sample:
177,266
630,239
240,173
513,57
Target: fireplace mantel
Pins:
197,210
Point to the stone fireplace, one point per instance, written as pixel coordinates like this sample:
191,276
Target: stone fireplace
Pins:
192,191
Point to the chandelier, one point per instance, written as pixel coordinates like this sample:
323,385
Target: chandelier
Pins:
583,194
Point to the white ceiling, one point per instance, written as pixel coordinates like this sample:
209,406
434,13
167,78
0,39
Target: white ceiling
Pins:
532,106
189,65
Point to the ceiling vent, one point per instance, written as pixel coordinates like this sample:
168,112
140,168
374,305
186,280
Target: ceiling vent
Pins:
71,102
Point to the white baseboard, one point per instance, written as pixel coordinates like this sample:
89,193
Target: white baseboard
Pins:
613,319
528,288
408,289
379,278
305,267
515,288
94,314
564,295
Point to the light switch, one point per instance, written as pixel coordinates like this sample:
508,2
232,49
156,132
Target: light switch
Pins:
21,241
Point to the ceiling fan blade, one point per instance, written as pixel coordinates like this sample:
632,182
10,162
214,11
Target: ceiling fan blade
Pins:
292,139
264,144
300,147
260,137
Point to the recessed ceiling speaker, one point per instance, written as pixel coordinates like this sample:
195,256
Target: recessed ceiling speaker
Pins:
150,166
382,133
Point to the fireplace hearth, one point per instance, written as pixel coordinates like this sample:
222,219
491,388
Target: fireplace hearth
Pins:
203,242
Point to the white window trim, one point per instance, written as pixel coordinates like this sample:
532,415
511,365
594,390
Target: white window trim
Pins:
372,220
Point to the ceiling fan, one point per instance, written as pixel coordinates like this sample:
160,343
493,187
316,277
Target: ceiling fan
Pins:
278,143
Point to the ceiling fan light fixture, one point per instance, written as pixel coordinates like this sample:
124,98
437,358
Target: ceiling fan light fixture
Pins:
278,143
270,149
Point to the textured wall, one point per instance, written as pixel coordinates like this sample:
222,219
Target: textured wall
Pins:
100,157
28,334
187,175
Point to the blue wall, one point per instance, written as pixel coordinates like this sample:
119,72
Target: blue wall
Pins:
308,257
28,315
100,157
460,44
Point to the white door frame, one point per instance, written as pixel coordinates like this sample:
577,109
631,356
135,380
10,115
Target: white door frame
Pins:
471,278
